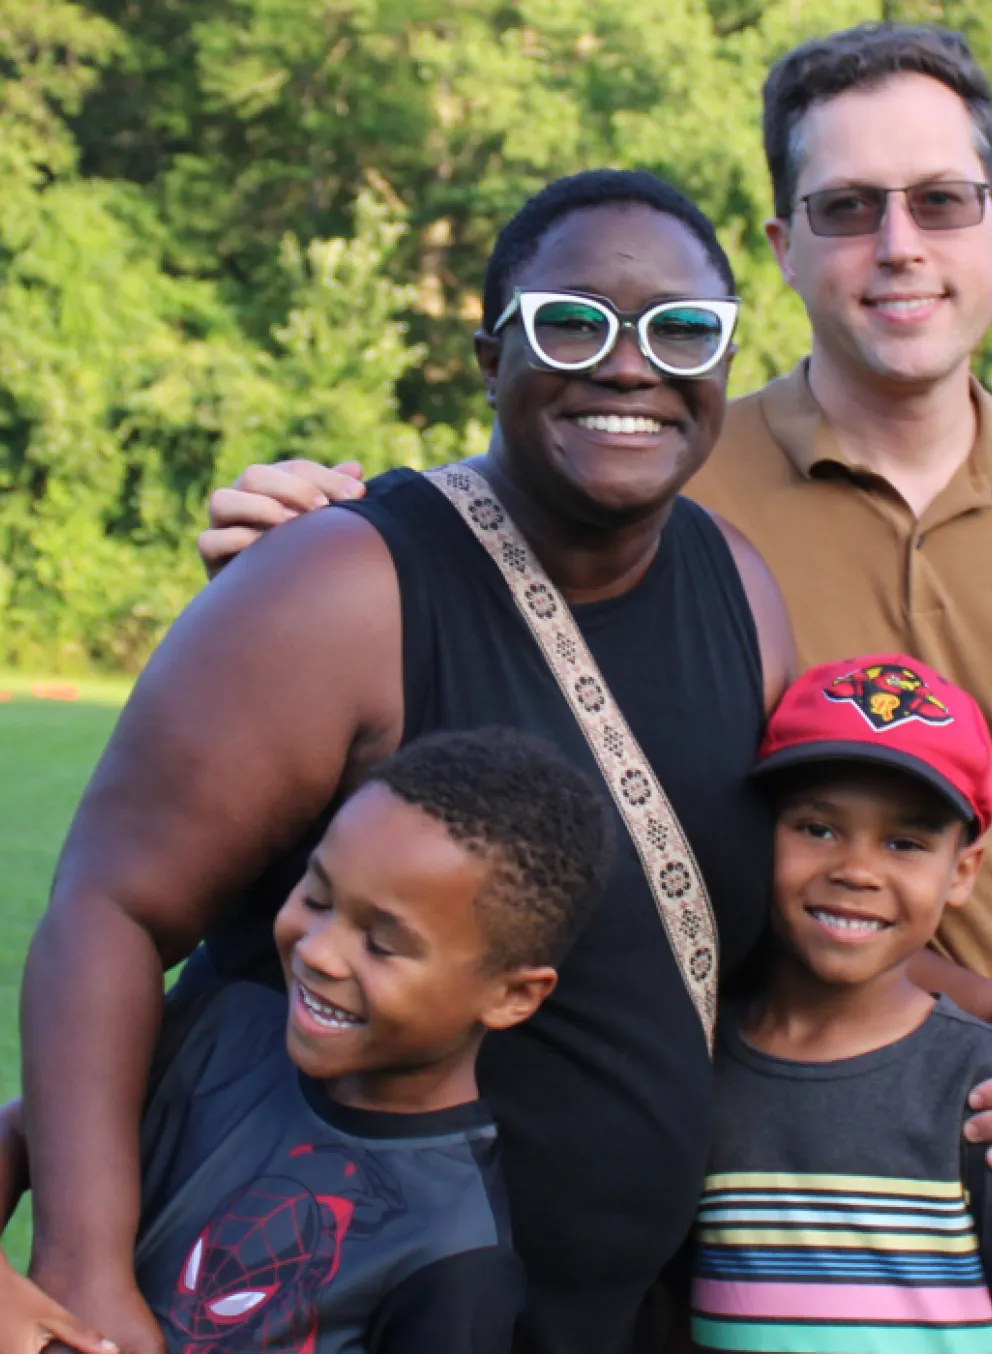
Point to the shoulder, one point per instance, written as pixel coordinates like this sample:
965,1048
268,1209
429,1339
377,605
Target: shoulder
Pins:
217,1037
271,619
457,1184
771,617
302,559
944,1059
744,455
967,1034
749,466
230,1060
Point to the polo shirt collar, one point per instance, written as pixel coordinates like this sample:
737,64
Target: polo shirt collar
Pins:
800,427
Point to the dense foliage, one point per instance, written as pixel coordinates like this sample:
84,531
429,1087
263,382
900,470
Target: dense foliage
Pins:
232,230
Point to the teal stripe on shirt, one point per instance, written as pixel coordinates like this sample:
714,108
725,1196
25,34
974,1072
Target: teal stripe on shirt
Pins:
812,1338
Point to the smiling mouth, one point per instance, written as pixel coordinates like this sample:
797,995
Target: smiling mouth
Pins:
844,921
902,305
628,425
326,1013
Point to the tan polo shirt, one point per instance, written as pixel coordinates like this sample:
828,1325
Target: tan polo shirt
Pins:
859,572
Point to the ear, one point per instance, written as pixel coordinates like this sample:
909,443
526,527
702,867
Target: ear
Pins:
779,236
966,869
487,350
517,995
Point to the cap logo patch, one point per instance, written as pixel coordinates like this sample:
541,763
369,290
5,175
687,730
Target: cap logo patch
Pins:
887,696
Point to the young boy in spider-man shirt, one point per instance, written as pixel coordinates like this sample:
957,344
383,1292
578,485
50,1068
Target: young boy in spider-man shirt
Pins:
832,1222
328,1183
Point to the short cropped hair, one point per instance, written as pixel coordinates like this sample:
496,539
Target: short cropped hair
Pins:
519,239
862,58
539,824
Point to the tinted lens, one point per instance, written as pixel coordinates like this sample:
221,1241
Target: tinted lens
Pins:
570,331
685,337
946,206
846,211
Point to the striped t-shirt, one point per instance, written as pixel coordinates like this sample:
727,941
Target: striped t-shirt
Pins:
834,1220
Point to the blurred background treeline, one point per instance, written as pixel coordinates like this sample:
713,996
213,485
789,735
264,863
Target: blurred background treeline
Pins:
236,230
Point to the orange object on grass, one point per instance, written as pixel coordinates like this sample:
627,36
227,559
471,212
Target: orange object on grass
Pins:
55,691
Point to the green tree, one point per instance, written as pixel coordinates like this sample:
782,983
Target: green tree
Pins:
128,390
232,230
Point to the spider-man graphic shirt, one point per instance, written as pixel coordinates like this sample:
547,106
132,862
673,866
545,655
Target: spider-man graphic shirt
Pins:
274,1218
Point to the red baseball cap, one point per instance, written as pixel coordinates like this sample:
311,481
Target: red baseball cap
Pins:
892,709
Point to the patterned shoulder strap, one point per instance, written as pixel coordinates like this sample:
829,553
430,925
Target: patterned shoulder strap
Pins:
670,867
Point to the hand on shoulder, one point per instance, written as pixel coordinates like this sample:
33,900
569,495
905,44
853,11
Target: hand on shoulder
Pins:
265,496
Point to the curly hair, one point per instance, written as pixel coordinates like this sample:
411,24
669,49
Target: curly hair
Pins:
519,239
861,58
541,826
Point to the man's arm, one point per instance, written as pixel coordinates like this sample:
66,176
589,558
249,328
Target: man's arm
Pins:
278,681
935,973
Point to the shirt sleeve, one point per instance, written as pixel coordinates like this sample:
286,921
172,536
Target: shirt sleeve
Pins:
463,1304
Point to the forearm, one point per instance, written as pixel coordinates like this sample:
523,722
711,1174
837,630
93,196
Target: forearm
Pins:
90,1012
13,1160
970,991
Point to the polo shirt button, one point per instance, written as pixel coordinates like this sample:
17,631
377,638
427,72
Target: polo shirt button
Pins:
919,541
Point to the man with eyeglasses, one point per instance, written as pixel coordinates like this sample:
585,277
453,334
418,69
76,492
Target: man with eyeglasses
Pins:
864,477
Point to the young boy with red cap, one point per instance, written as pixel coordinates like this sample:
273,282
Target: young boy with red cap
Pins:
830,1224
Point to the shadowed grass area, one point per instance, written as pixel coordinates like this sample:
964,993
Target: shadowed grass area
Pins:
48,749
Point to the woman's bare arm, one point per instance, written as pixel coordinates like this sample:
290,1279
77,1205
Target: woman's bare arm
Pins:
771,617
280,679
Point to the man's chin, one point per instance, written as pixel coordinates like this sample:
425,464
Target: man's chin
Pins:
915,367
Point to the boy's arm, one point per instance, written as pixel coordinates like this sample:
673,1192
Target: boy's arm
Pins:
29,1319
13,1160
463,1304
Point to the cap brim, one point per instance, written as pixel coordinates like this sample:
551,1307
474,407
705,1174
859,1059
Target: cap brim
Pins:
807,754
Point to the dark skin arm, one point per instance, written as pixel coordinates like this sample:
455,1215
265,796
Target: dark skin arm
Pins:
281,682
29,1319
13,1160
775,640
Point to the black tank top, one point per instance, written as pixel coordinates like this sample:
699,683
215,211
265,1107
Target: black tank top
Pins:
604,1098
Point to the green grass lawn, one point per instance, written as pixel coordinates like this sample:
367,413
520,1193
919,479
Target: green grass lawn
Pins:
47,750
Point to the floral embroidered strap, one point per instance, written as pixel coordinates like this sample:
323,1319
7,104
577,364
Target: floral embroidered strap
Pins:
670,867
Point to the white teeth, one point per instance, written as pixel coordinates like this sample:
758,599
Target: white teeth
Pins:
910,303
846,923
614,423
326,1013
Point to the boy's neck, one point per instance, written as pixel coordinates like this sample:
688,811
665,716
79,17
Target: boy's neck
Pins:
802,1018
417,1090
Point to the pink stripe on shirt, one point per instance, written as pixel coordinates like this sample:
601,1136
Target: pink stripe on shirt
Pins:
840,1302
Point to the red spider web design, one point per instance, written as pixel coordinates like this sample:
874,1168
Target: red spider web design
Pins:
253,1276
